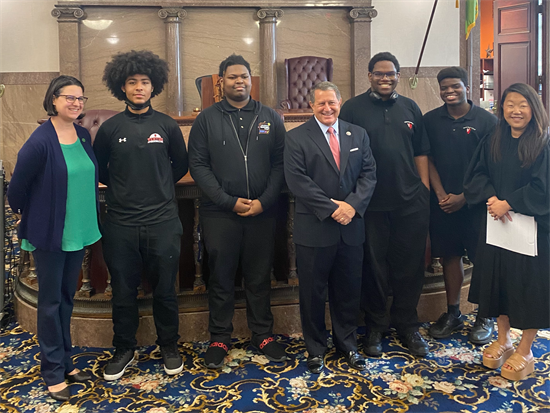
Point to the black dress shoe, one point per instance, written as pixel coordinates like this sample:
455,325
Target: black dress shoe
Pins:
415,343
61,395
315,364
445,325
79,377
372,344
482,331
355,360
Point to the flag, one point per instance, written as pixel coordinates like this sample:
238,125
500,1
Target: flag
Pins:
472,13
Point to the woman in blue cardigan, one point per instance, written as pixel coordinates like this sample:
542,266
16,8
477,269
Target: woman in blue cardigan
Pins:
54,189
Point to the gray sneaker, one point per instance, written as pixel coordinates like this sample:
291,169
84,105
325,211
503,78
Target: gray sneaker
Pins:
173,364
118,364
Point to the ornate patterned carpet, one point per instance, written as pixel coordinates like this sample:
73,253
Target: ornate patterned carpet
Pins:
450,379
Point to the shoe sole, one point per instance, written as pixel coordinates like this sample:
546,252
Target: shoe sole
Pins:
111,377
214,366
459,327
481,342
372,354
273,359
521,374
415,354
172,372
492,363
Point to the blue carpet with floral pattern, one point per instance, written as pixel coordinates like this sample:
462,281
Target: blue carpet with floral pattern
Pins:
450,379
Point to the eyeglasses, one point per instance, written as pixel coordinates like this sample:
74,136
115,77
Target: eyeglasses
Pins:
71,98
381,75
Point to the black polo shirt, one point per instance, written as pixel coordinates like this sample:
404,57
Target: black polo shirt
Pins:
397,136
242,119
453,142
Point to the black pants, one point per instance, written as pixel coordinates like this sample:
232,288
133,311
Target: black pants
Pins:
249,240
394,260
57,281
127,251
337,268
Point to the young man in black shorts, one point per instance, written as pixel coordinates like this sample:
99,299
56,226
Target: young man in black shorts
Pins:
454,130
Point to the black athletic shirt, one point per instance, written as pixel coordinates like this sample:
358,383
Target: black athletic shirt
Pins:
454,141
140,157
397,136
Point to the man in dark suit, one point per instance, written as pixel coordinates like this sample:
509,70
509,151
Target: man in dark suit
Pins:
330,169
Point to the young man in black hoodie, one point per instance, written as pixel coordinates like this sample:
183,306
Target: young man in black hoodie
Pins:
236,158
141,155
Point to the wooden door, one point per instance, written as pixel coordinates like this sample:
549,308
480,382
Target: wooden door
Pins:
515,23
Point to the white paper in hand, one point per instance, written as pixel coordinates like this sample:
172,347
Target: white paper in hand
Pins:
519,235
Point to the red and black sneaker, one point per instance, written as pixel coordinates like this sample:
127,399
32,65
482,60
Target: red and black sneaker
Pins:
213,359
271,349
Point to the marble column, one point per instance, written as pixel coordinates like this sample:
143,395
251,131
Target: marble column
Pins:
268,55
174,89
360,19
69,19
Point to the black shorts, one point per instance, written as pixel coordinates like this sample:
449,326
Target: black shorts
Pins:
453,234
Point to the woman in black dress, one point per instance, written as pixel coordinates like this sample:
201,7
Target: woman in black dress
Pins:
511,172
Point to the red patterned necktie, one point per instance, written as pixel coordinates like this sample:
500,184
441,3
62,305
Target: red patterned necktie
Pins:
334,146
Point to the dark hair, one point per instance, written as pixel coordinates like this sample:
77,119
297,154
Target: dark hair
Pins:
124,65
535,136
55,89
378,57
234,59
454,72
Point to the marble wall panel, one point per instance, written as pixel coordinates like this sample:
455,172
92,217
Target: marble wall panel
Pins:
426,94
208,37
129,29
315,32
21,108
400,28
28,36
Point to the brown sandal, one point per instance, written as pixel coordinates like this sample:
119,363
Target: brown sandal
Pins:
499,354
521,367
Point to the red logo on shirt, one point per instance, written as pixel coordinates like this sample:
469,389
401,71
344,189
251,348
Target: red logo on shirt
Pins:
155,138
409,124
468,129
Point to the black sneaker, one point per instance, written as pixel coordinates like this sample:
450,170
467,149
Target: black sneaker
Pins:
415,343
213,359
173,364
271,349
117,365
445,325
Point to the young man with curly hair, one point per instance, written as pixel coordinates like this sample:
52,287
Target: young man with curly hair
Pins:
141,155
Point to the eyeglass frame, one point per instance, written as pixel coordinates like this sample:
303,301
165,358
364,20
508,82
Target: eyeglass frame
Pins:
381,75
68,98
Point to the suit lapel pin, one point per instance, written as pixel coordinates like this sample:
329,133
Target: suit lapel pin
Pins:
348,133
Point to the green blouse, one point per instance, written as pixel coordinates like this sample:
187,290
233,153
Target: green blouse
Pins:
81,226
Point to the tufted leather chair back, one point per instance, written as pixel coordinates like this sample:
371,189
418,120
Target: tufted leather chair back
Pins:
302,73
93,119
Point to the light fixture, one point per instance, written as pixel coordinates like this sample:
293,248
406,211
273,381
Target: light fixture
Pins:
97,24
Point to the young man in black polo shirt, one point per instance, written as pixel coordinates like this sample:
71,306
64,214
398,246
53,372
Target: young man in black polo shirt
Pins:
236,158
397,218
455,130
141,155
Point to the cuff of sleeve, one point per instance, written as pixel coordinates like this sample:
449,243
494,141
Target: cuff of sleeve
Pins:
230,204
